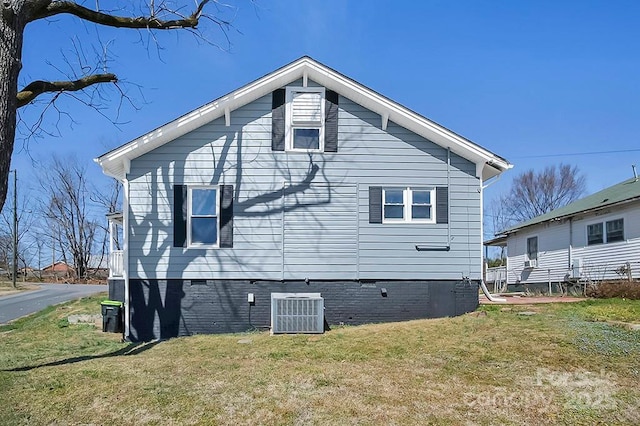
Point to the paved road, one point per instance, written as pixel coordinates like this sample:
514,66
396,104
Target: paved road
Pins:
20,304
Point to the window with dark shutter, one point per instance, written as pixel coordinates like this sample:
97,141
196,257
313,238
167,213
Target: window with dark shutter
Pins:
408,204
203,216
304,119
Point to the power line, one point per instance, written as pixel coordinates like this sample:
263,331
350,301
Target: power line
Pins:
619,151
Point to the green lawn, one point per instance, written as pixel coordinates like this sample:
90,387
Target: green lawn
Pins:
563,365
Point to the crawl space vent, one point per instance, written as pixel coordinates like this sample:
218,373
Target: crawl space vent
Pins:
297,313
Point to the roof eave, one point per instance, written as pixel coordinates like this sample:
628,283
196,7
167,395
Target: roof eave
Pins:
115,162
570,215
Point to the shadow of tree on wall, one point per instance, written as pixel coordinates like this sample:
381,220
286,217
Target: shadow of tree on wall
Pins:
157,309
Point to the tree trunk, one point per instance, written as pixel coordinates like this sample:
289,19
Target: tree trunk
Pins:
11,36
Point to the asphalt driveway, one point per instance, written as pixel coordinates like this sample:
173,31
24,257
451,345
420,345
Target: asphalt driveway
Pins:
18,305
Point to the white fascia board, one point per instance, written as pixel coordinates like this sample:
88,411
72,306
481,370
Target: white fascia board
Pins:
197,118
114,161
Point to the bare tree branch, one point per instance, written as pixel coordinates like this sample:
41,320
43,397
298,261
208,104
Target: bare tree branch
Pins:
50,8
38,87
536,193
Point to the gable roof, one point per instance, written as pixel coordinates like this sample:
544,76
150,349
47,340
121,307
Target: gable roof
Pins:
116,162
623,192
59,262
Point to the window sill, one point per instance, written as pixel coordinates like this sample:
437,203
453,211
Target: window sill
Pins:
202,246
303,151
408,222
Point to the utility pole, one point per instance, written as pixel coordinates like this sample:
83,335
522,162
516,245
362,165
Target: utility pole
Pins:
15,226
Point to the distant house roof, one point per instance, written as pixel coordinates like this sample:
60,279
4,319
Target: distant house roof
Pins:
58,266
116,162
623,192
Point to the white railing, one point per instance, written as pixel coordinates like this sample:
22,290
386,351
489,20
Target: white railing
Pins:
116,264
498,277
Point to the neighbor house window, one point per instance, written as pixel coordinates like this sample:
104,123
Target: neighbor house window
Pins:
408,205
204,213
305,119
532,248
595,234
615,230
607,232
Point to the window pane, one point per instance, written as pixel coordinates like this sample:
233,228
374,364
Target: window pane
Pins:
393,196
393,212
204,230
306,138
594,234
615,230
203,202
421,212
421,197
532,248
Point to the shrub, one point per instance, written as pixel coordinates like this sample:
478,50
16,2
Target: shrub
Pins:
609,289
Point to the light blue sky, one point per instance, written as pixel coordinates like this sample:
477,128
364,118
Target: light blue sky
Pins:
530,81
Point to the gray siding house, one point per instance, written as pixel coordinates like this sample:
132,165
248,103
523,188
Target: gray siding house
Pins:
303,182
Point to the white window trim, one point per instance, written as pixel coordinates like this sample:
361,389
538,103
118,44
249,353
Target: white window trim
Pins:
290,90
407,204
603,222
190,189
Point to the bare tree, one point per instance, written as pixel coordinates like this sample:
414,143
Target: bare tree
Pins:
25,241
533,194
67,210
14,17
6,250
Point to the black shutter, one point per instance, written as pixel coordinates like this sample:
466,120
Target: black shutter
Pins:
226,216
375,204
442,204
179,215
331,121
277,119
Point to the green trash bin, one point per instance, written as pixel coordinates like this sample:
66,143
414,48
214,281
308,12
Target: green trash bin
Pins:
111,316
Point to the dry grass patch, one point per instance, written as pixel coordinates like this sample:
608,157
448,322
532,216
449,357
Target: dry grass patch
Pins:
554,367
7,288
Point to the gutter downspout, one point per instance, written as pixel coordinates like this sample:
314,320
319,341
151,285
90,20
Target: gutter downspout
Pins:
490,296
125,250
485,290
570,243
449,197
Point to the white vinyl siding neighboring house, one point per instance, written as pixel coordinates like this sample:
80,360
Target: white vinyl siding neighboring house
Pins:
594,243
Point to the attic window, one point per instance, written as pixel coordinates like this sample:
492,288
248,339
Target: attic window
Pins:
305,119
